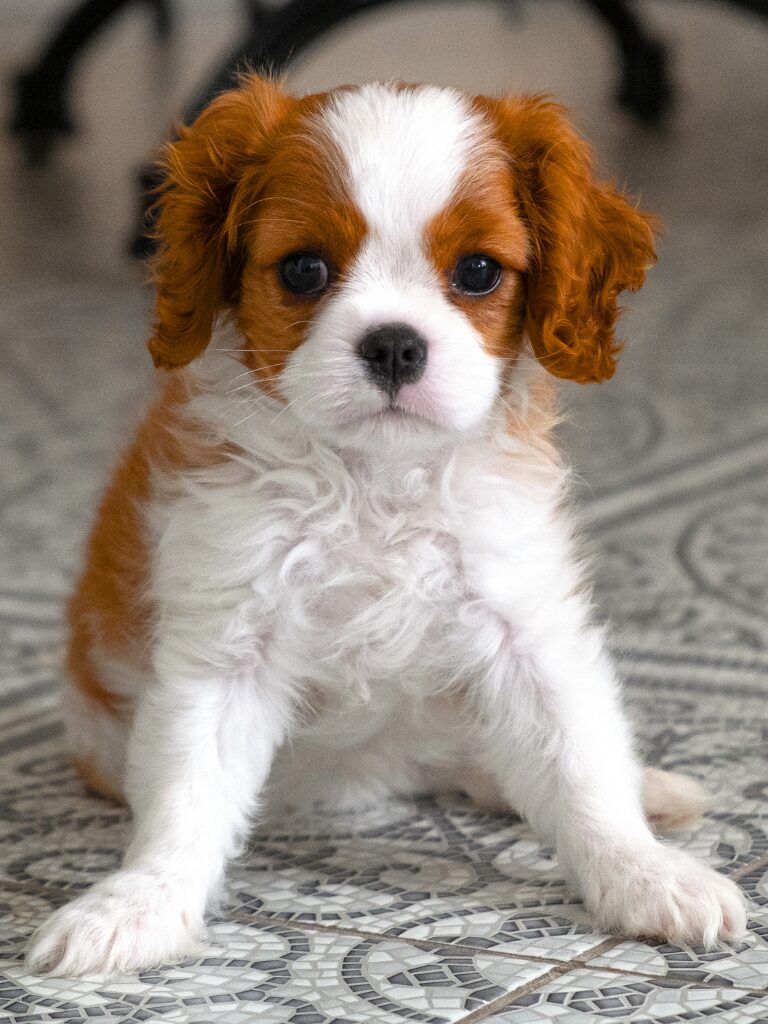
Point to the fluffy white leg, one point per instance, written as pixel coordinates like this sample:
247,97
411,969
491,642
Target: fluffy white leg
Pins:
198,756
560,749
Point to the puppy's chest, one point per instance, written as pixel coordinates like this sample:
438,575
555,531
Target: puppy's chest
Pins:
372,594
345,585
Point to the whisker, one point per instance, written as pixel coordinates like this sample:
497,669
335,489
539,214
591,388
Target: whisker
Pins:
318,397
303,375
245,418
243,351
518,419
282,220
296,323
278,199
245,373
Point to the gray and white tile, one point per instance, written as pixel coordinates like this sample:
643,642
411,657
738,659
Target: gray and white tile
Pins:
588,996
281,974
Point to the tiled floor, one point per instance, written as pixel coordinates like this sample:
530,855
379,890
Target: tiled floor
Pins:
422,911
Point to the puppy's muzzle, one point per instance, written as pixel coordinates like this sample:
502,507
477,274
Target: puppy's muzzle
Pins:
394,354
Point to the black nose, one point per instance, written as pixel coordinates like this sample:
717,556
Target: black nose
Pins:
395,354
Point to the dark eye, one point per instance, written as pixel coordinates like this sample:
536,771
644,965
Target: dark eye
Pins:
476,275
304,273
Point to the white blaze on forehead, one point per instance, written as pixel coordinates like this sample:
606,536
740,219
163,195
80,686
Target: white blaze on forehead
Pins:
405,151
400,155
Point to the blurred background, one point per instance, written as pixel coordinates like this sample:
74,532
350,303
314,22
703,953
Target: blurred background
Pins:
671,461
693,381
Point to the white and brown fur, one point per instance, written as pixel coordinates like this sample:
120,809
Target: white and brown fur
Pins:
301,587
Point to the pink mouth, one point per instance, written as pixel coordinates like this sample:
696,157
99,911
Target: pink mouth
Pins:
392,412
413,401
409,404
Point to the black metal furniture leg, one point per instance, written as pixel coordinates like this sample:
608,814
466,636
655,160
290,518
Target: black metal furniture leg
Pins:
645,87
42,111
163,17
756,6
277,33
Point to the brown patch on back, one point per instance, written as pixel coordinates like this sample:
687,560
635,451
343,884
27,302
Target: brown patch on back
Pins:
110,607
249,183
482,219
91,776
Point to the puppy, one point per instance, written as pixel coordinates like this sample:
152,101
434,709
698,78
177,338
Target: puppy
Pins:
335,563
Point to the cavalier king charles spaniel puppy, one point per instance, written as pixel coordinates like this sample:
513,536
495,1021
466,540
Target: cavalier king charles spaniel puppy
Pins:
336,562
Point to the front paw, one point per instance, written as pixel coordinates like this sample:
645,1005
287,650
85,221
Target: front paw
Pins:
660,892
125,923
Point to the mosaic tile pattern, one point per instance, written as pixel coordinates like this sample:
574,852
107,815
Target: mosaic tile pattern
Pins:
745,963
586,997
420,911
283,974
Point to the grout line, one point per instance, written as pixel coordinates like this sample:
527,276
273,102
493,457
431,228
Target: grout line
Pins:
484,1012
28,692
673,467
322,929
602,947
558,967
428,945
745,869
22,741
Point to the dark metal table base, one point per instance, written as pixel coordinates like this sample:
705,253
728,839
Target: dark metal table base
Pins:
42,112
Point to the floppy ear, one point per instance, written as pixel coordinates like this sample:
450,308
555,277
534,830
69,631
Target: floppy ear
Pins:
196,269
588,243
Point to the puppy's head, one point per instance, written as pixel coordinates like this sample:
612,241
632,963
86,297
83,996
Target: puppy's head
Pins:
387,251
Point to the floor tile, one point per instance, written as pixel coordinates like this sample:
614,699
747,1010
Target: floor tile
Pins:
282,974
435,871
594,996
458,877
711,726
414,911
452,875
743,963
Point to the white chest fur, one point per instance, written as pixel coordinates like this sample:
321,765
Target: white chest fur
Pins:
370,591
343,576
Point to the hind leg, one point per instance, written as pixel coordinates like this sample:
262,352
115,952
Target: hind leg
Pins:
485,792
671,801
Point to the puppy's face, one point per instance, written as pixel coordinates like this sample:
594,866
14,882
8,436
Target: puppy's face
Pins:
386,250
383,274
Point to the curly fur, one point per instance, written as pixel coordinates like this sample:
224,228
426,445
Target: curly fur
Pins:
304,587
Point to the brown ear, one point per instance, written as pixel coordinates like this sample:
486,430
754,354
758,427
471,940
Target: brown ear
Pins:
588,243
196,268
